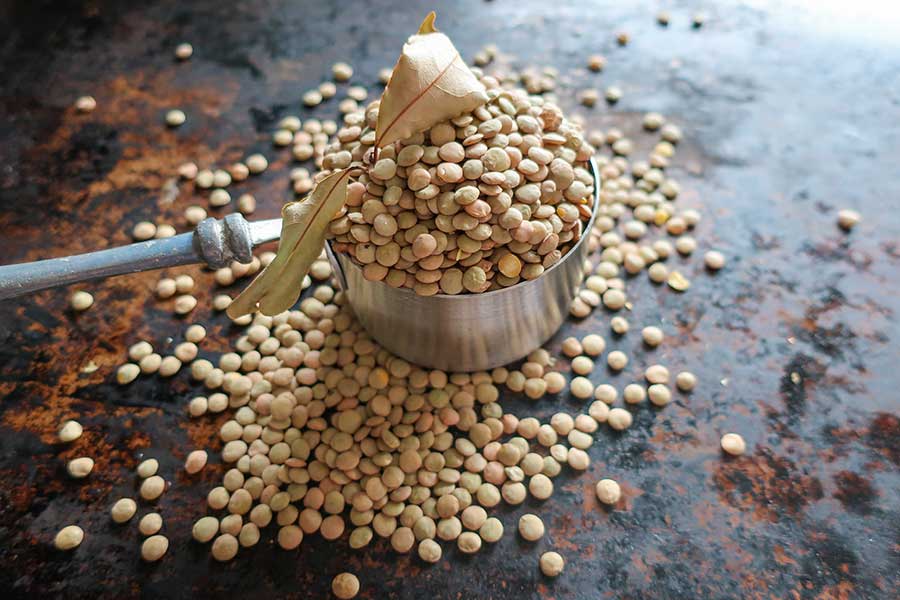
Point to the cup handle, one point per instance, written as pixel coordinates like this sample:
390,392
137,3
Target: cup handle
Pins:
336,266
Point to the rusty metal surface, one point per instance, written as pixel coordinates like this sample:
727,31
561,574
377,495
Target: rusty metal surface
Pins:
787,118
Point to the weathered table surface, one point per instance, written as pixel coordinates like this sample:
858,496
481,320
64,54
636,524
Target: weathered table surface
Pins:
787,116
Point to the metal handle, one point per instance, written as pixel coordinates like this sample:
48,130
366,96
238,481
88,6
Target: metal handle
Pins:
214,242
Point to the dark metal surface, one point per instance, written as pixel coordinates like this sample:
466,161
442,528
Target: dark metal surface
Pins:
788,116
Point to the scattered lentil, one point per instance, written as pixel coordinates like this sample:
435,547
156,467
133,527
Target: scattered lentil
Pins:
183,51
733,444
652,336
150,523
685,381
152,487
619,419
154,547
175,117
123,510
345,586
70,431
147,468
608,491
79,468
195,462
617,360
551,564
531,528
81,301
85,104
619,325
848,219
69,537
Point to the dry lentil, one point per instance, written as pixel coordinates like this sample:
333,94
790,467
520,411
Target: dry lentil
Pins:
617,360
345,586
150,523
685,381
85,104
69,537
714,260
619,419
225,547
183,51
659,394
531,528
657,374
551,564
175,117
578,459
608,491
154,547
127,373
582,365
195,462
593,344
70,431
144,230
652,336
634,393
429,551
152,487
81,301
79,468
733,444
147,468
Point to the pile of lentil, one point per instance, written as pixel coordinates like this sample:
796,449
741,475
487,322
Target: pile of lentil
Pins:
330,433
477,203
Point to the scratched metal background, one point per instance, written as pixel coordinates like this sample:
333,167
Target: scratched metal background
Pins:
788,116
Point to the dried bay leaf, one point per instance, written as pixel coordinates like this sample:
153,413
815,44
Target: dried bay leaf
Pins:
430,83
303,230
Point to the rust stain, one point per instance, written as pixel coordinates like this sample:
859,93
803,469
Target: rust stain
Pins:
767,484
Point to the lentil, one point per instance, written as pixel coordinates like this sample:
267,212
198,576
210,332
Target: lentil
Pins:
606,393
79,468
225,547
593,345
183,51
152,487
733,444
714,260
69,537
619,419
652,336
154,547
345,586
81,301
531,528
175,117
551,564
685,381
429,551
634,393
85,104
616,360
123,510
608,491
659,394
147,468
195,462
150,523
70,431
